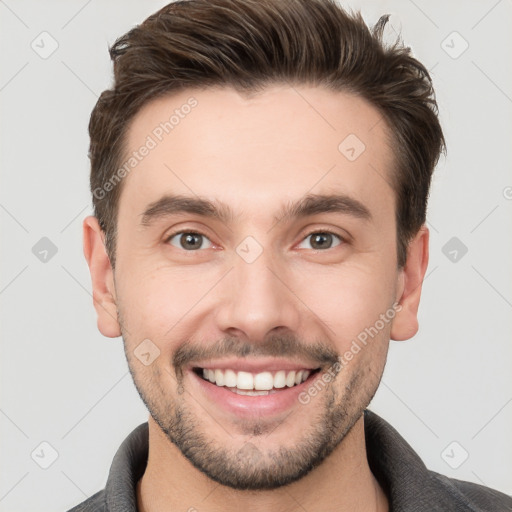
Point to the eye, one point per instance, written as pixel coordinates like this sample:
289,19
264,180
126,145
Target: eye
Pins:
321,240
189,240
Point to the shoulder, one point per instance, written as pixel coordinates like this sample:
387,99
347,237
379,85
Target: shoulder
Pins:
411,486
472,497
127,467
95,503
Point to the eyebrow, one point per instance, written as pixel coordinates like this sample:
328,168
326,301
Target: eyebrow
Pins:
309,205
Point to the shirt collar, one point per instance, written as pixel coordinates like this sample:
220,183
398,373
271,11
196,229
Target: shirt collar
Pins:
127,468
396,466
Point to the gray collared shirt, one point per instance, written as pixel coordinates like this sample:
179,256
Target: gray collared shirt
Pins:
409,485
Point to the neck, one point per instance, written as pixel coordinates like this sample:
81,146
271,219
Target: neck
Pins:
343,482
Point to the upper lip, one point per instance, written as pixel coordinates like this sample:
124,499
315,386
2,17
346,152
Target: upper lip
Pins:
255,365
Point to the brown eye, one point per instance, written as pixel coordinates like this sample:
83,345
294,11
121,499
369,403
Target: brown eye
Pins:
321,240
190,241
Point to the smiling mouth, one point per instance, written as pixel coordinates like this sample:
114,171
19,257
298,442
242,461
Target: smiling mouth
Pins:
255,384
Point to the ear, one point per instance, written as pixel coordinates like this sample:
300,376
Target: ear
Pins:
405,323
102,276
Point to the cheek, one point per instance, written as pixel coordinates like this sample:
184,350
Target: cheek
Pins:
349,300
155,302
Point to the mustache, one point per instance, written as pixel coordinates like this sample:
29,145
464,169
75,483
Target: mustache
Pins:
285,346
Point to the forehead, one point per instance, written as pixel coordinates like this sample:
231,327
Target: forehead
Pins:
265,148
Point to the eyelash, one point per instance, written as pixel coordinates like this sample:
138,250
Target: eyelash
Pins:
315,232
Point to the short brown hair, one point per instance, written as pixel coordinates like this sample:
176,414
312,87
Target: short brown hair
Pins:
249,44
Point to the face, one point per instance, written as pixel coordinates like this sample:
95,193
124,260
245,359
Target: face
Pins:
256,275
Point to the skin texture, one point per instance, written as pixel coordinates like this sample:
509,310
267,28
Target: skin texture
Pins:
294,302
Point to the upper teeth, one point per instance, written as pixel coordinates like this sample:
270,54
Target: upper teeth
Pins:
259,381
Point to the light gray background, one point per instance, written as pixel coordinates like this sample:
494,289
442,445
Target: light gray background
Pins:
64,384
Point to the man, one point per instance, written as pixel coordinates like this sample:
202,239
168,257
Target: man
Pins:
260,172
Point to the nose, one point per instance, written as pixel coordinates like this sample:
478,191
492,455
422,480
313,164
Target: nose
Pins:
257,298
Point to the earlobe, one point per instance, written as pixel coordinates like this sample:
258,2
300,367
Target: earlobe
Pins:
102,277
405,323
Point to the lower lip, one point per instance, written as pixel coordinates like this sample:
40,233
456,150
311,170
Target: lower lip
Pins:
250,406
